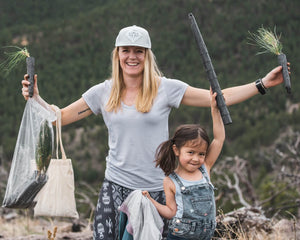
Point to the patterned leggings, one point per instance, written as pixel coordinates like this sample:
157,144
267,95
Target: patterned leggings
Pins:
106,221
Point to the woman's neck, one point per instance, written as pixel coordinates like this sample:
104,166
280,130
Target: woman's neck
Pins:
132,83
132,87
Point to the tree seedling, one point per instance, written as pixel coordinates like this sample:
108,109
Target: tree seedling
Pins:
268,41
44,148
14,58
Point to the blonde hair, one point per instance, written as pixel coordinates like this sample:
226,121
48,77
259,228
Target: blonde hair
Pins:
149,87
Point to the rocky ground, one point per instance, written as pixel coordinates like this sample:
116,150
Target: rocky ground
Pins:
16,227
242,224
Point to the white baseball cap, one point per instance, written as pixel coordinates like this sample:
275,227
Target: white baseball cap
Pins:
133,36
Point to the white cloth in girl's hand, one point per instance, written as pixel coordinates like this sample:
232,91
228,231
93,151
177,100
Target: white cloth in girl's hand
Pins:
144,221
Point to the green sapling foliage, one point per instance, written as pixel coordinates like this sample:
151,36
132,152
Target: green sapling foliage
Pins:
268,41
44,147
14,57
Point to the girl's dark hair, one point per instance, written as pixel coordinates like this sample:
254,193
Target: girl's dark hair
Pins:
165,157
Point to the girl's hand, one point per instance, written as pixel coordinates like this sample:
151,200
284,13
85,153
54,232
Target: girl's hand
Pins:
25,84
274,77
146,194
213,100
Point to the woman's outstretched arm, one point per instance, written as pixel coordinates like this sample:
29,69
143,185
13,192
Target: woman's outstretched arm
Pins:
201,98
72,113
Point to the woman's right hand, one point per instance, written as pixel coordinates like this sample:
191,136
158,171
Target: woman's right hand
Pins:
25,84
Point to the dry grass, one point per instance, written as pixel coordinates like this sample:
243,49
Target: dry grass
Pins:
34,228
22,227
281,230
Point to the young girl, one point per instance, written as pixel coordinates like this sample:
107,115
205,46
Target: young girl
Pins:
186,160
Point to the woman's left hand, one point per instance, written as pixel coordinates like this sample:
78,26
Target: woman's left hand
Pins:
274,77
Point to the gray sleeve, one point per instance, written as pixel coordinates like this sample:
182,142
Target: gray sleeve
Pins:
175,90
94,97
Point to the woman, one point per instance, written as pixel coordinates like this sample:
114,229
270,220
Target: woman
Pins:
135,104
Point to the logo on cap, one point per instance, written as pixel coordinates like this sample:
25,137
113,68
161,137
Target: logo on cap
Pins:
133,35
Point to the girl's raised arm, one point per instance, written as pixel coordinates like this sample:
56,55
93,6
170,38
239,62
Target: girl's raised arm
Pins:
216,145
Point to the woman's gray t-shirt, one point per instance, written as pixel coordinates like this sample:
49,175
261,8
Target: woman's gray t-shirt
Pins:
135,136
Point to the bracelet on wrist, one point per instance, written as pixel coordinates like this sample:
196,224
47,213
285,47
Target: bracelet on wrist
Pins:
260,86
262,83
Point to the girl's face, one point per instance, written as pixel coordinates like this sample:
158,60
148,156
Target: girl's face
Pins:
191,156
132,60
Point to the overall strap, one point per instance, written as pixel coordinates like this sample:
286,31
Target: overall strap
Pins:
174,175
205,175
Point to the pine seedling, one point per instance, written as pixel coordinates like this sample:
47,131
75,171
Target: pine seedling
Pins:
44,147
269,42
14,58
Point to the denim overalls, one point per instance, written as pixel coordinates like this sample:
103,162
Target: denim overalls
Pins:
199,211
